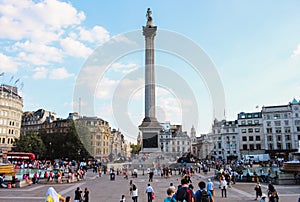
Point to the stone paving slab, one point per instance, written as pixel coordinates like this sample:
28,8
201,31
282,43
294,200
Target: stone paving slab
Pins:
102,189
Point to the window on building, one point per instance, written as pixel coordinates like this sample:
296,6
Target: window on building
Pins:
249,116
298,130
250,130
279,145
243,130
219,145
269,138
296,115
245,147
288,137
278,137
257,138
285,115
270,146
287,130
244,138
268,123
277,130
288,146
257,130
268,116
251,146
243,122
250,138
3,140
258,146
249,122
269,130
297,122
286,122
277,123
256,121
276,116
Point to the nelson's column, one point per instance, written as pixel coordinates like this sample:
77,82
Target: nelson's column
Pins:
150,127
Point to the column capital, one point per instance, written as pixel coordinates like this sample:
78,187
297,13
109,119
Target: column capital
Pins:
149,31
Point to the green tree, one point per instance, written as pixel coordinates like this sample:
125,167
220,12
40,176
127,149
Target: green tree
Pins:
65,145
31,143
135,148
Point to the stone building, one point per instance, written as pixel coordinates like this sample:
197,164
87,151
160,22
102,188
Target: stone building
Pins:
174,141
225,137
32,121
281,129
116,144
100,136
10,116
250,129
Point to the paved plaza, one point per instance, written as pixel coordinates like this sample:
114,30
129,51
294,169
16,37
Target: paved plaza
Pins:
104,190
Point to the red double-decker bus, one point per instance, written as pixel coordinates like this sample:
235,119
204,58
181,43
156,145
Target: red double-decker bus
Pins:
19,156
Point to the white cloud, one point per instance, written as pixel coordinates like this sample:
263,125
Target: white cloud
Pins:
123,68
60,73
37,21
37,53
296,52
75,48
7,64
97,34
105,88
40,73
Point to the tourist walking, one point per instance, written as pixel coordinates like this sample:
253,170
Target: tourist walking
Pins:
151,174
203,195
86,195
130,187
123,198
134,193
271,188
258,190
223,186
170,193
274,197
78,195
53,196
210,187
184,192
68,199
149,192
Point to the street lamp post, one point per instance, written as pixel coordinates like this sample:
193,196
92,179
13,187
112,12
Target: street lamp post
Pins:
50,144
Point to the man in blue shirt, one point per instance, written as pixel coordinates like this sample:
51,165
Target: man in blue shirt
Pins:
202,193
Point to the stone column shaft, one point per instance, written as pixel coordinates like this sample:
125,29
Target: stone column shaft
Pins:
149,33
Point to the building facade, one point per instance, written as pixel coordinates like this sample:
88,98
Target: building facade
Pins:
99,137
174,141
101,143
281,129
10,116
225,137
250,129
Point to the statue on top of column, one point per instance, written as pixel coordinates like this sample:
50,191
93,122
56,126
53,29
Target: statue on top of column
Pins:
149,18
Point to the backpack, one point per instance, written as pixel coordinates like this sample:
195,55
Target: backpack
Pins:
182,195
203,197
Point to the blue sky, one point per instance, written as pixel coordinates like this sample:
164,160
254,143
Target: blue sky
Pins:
254,46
